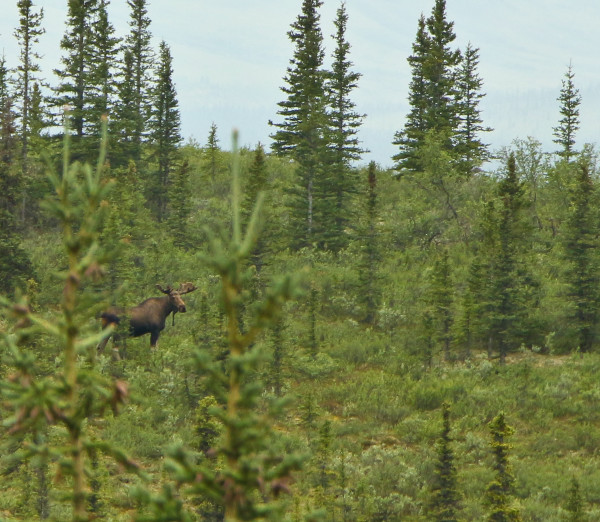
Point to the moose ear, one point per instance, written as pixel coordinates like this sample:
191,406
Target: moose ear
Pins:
164,290
186,288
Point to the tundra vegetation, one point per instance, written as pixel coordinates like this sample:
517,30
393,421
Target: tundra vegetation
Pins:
418,342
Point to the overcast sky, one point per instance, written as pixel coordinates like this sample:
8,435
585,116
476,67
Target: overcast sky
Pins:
230,57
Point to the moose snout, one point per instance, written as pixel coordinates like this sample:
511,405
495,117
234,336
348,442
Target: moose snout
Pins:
182,309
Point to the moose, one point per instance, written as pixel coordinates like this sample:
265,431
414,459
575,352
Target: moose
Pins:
148,317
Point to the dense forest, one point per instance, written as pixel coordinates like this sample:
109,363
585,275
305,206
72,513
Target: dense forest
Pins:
358,344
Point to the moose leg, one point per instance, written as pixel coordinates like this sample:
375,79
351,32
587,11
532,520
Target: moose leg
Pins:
124,349
154,338
116,355
102,344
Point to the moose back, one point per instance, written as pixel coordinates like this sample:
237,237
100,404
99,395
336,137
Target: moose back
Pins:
148,317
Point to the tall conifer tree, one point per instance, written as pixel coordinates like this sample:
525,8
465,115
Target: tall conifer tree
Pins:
5,93
104,58
441,302
499,492
445,498
440,66
413,135
568,125
345,122
39,119
180,206
433,90
137,44
303,134
508,313
580,246
76,75
369,290
14,263
256,184
470,150
123,125
27,34
164,126
212,151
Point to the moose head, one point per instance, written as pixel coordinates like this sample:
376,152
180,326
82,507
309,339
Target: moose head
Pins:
176,303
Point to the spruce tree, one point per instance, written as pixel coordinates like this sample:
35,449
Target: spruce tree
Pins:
470,326
568,125
582,269
369,291
15,266
27,34
441,302
5,79
470,150
499,492
74,89
39,119
104,58
257,184
433,90
445,496
164,131
508,306
440,63
256,181
180,206
137,44
213,152
345,122
574,504
123,125
303,134
413,135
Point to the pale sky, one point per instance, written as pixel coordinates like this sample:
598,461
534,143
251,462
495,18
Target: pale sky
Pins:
230,57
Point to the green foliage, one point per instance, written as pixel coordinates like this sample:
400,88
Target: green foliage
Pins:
440,300
433,90
27,34
76,76
574,504
564,133
345,124
180,206
581,262
164,132
370,292
212,153
471,151
76,396
499,491
15,266
410,138
303,134
449,259
250,475
105,49
445,498
138,64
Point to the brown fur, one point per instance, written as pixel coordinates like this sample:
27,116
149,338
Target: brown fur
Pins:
147,317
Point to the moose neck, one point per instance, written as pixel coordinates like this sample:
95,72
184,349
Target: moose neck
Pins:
168,305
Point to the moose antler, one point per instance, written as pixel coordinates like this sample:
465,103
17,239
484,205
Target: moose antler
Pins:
167,290
186,288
